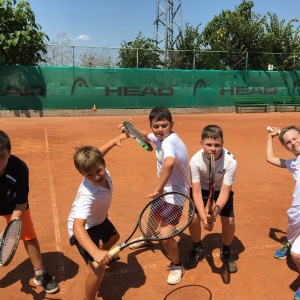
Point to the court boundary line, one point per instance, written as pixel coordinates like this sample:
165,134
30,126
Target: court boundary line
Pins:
109,273
61,260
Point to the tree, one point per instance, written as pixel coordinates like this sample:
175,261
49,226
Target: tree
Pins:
141,53
21,38
282,42
240,33
94,59
188,44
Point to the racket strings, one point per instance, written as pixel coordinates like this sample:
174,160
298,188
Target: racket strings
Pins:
135,133
9,241
162,219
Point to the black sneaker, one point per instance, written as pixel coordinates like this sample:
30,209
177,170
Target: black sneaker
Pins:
194,257
47,282
229,262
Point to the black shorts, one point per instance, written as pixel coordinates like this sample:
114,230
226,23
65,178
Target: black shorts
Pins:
102,232
227,210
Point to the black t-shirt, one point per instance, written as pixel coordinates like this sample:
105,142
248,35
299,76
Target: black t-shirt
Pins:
14,185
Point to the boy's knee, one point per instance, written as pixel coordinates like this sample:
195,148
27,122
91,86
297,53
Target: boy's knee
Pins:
227,221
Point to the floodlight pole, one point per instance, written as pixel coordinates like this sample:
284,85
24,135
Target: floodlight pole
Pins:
168,18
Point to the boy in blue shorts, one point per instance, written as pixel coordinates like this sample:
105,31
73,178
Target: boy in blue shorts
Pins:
88,224
225,169
290,139
14,190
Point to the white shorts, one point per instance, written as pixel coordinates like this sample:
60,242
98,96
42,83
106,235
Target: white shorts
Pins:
293,230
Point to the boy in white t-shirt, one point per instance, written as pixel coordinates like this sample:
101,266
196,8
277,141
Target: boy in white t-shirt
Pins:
225,169
173,175
88,224
290,139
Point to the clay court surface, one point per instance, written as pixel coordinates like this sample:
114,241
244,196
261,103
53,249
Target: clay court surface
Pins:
262,196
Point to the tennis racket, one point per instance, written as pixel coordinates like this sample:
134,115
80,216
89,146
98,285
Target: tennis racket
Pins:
162,218
137,136
212,174
190,292
9,241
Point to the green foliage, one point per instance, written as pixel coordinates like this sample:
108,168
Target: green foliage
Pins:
284,42
188,41
239,33
21,39
141,53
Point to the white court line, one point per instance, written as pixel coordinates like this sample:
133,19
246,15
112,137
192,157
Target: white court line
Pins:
61,260
154,266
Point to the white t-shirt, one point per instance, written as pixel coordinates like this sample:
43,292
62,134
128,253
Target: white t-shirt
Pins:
225,168
91,204
293,166
173,146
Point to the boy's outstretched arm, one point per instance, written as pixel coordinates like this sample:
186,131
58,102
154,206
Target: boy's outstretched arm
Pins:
113,142
271,157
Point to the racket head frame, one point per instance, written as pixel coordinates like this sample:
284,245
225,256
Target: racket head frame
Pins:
15,226
137,135
191,211
188,204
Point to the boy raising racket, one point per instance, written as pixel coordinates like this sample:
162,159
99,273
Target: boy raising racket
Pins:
225,169
14,190
88,224
290,139
173,175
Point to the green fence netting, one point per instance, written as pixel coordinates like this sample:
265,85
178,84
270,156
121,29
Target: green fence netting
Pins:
42,88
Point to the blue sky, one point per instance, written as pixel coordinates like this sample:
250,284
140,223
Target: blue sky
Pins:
107,23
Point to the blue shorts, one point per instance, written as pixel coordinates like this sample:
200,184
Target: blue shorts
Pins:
102,232
227,210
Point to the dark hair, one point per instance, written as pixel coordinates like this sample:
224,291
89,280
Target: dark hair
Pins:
212,131
160,113
4,141
284,130
87,157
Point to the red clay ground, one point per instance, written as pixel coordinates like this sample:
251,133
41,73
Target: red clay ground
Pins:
262,196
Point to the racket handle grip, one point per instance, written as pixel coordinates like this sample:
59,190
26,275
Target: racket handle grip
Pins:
270,129
114,251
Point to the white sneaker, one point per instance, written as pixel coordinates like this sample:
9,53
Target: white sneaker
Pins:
175,275
140,244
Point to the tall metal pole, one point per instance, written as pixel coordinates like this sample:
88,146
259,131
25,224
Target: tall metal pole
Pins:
168,23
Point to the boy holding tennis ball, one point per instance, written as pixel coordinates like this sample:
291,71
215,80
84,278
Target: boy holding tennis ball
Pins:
290,139
173,175
14,190
88,224
225,169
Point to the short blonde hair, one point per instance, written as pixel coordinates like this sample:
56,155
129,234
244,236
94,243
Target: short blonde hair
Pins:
87,157
284,130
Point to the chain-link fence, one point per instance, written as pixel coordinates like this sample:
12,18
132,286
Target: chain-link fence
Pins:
107,57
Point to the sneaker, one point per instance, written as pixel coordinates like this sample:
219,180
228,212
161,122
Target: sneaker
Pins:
140,244
47,282
175,274
229,262
283,252
194,257
297,295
